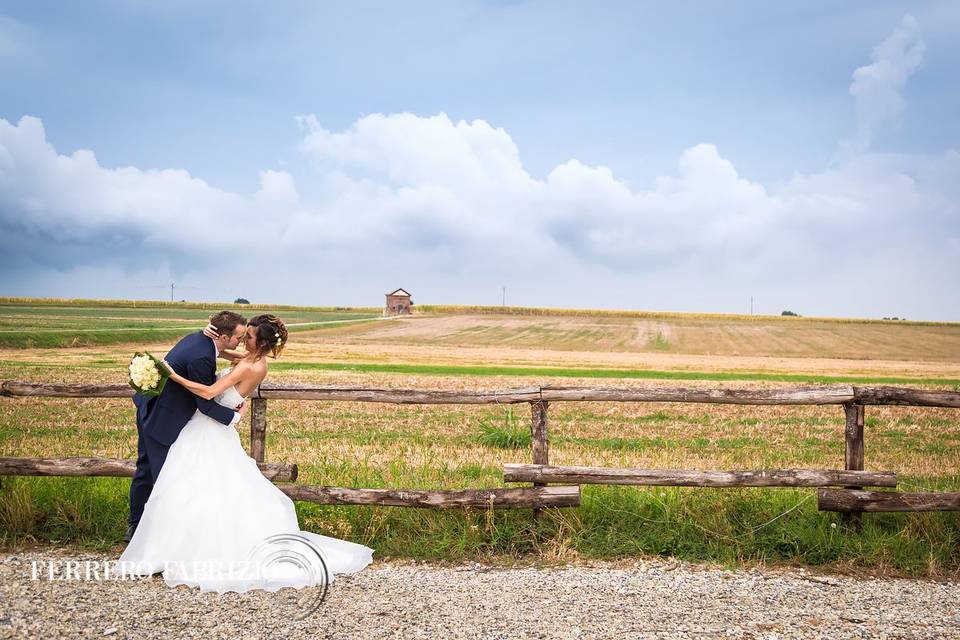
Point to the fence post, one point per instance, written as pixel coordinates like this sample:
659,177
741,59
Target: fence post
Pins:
258,428
853,450
539,440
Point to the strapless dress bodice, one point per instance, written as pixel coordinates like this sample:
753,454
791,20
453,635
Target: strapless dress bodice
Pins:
229,397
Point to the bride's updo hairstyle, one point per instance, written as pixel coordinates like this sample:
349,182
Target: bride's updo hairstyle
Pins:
271,334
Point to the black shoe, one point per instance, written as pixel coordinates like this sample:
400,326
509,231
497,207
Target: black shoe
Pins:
129,534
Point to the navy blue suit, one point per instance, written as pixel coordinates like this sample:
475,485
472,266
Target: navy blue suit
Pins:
161,418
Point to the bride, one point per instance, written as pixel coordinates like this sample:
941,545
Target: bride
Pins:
213,521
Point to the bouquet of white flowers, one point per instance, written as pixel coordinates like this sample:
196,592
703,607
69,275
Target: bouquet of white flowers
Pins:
147,374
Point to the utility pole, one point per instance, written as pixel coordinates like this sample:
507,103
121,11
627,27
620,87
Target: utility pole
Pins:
751,305
171,292
503,301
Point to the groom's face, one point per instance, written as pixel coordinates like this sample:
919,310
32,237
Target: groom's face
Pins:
234,339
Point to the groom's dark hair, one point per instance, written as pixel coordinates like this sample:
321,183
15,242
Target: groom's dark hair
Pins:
226,321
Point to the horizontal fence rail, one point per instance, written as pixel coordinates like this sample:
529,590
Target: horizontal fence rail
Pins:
522,497
857,501
686,478
826,394
787,396
118,468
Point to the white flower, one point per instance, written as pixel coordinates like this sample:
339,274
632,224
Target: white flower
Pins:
144,373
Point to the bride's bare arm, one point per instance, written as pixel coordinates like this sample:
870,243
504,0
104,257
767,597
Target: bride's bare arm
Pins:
210,391
233,355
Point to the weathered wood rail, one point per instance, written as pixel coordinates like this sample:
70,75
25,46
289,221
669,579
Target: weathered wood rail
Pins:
521,497
819,395
857,501
118,468
685,478
852,398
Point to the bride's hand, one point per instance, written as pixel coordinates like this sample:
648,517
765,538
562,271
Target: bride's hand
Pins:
173,374
211,332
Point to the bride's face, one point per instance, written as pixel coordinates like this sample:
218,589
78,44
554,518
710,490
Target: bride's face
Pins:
250,339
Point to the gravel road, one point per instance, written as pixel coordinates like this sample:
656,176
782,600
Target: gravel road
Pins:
646,599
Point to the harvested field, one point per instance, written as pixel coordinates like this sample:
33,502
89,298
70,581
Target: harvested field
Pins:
356,444
763,337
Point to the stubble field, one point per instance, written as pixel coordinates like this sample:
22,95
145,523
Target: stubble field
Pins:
377,445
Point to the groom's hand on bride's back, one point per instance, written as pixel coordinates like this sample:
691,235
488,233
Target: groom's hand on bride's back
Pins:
238,414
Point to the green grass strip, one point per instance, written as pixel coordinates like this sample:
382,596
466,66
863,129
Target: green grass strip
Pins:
65,338
644,374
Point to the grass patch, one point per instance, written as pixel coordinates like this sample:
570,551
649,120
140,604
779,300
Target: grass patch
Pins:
89,511
659,342
620,444
62,324
506,433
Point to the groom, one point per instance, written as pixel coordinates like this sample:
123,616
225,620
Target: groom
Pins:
161,418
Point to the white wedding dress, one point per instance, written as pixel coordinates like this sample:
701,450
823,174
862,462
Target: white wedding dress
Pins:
213,521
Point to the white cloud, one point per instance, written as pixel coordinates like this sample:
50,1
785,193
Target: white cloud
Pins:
878,87
72,199
277,187
407,150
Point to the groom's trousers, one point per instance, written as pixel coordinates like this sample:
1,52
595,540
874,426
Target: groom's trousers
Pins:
151,455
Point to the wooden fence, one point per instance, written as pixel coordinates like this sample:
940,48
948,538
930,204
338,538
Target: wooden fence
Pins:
851,499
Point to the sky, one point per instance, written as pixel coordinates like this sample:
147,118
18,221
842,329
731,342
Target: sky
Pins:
681,156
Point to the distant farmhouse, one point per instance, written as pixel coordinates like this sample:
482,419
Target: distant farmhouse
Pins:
398,303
